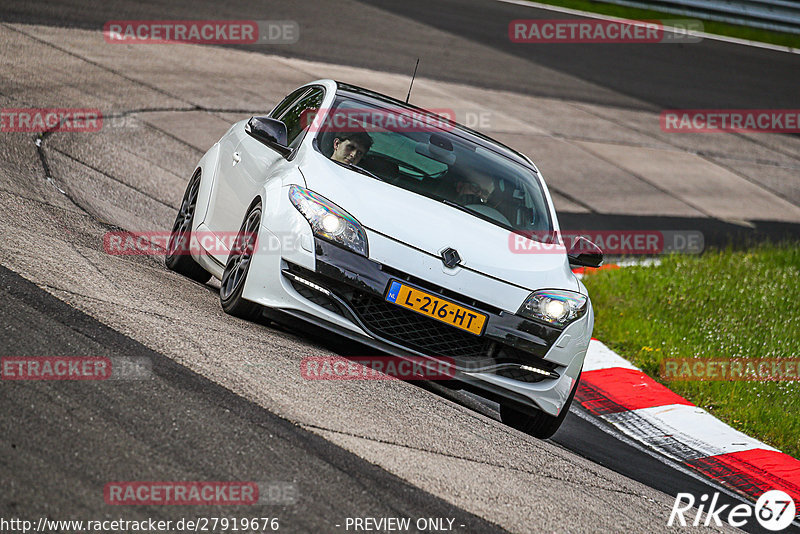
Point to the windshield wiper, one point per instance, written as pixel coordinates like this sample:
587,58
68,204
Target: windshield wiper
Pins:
358,169
464,208
475,213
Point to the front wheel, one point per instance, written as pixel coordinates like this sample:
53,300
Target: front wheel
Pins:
178,257
536,423
237,267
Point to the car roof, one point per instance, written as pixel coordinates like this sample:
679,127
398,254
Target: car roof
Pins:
370,96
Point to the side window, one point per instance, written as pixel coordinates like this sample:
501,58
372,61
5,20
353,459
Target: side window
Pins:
296,118
288,101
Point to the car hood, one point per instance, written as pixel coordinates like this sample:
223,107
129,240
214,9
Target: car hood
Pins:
431,226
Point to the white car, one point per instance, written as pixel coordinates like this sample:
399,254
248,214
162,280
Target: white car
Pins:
407,245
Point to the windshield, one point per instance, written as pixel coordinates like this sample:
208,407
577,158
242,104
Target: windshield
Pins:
425,156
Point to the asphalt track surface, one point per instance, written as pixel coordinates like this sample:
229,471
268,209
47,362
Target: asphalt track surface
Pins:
388,35
67,439
62,441
466,41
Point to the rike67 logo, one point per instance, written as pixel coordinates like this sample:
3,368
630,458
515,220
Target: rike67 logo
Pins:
774,510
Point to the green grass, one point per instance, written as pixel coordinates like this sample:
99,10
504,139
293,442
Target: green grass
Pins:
710,26
723,304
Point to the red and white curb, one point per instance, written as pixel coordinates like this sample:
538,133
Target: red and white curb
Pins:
613,390
579,272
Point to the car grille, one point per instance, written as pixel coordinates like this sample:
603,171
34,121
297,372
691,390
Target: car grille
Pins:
416,331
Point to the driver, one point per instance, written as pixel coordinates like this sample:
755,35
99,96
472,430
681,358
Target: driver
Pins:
350,147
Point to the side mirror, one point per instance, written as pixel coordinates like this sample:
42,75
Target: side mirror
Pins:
271,132
584,252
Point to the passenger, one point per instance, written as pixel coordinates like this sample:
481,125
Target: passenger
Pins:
484,190
350,147
475,189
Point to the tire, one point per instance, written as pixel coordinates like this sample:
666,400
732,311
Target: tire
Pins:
178,258
536,423
237,267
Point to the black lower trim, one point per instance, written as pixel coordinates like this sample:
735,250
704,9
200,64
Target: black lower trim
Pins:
281,315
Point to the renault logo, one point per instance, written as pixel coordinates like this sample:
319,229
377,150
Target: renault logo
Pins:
450,257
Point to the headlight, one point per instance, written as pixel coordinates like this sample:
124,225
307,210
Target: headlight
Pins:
554,306
329,220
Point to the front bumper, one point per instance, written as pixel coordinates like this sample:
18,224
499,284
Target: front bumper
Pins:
507,362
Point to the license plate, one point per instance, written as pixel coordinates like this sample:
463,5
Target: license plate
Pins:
436,307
